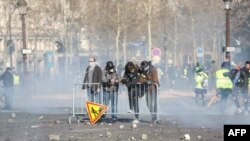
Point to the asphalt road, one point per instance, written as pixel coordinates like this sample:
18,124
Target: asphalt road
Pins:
39,116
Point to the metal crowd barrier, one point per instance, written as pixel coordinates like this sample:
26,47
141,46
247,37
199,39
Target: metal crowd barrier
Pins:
79,98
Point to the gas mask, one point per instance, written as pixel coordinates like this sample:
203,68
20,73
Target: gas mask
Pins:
111,70
91,63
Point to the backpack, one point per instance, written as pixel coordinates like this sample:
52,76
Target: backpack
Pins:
236,77
204,82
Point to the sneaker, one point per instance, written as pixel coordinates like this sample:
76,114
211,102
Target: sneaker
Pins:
238,111
130,111
114,118
136,121
102,119
155,121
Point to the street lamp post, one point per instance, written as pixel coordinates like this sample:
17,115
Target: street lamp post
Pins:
10,43
227,4
22,5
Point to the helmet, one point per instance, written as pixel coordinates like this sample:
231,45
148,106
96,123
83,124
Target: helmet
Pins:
198,69
145,65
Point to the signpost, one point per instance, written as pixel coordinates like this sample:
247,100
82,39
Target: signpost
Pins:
156,54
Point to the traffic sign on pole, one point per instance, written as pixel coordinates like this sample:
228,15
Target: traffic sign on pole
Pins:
156,52
230,49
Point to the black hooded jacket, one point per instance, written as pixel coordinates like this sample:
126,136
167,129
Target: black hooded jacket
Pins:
8,79
245,75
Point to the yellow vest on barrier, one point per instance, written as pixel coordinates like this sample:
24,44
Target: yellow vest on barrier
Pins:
16,79
223,81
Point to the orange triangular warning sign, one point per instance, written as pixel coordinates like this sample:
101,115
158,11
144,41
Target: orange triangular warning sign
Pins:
95,111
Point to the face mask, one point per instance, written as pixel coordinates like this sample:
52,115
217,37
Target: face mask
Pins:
112,70
132,70
91,64
131,75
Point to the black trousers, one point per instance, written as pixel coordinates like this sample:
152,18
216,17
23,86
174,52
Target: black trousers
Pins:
224,93
202,92
133,101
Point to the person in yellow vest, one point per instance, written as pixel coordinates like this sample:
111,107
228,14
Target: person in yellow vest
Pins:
224,84
201,81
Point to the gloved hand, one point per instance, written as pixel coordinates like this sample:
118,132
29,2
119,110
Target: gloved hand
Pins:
112,81
124,81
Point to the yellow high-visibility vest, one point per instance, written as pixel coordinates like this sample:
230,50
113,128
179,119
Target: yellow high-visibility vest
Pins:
16,79
223,81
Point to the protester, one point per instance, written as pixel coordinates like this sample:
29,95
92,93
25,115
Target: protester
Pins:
93,74
130,79
8,83
149,87
201,83
224,84
110,83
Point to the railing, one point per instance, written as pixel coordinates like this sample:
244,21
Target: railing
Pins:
142,99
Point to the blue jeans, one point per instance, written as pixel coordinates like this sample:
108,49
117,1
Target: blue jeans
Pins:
93,96
245,99
151,99
236,95
202,92
113,96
